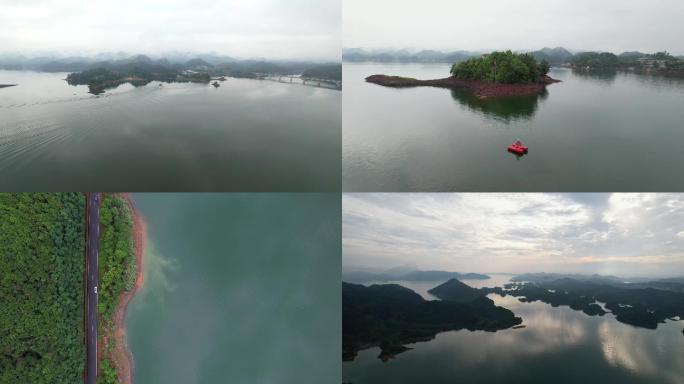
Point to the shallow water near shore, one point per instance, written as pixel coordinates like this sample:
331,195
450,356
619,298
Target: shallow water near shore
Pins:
558,345
246,135
239,288
595,131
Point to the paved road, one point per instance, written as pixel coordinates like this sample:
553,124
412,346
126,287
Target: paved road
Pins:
92,281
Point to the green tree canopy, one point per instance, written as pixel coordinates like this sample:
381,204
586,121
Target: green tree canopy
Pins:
501,67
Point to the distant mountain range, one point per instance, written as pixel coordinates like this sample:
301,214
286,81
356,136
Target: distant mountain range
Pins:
123,62
389,56
675,284
554,56
365,276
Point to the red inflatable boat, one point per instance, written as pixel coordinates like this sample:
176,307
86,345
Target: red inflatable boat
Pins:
518,148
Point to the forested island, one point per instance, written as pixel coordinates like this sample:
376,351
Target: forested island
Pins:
108,71
497,74
644,304
7,85
390,316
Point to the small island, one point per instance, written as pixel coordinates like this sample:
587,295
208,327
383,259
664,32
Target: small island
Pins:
7,85
100,79
498,74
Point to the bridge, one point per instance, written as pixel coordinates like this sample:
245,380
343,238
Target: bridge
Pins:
307,81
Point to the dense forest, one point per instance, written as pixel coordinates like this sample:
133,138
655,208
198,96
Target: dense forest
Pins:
117,257
390,316
659,60
117,268
41,288
501,67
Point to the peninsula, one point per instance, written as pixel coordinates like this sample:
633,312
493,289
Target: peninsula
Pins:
390,316
137,73
122,243
498,74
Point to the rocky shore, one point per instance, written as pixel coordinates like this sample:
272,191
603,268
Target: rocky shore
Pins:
479,89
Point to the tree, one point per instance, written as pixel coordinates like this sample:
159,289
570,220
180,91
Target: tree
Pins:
499,67
544,67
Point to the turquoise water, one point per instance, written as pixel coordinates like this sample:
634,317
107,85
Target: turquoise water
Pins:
239,288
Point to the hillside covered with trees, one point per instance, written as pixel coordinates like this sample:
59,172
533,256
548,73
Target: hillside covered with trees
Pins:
501,67
117,272
41,288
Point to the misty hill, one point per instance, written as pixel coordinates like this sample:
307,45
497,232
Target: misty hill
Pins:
639,304
328,71
197,63
558,55
390,56
672,284
454,290
653,62
390,316
542,277
364,276
121,62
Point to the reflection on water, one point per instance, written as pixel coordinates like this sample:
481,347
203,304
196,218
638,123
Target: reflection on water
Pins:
246,135
591,132
606,76
558,345
506,109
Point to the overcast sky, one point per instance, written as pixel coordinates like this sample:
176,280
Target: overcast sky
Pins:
279,29
608,25
620,234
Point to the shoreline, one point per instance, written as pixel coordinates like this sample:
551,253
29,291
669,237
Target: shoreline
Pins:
120,355
479,89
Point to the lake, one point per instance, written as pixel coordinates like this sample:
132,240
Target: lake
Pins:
238,288
595,131
246,135
558,345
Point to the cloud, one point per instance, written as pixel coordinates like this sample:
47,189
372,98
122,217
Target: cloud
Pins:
613,25
294,29
619,233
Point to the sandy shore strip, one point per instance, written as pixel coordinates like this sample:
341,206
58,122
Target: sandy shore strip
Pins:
120,355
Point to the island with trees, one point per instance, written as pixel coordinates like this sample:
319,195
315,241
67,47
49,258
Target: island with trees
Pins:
497,74
137,71
643,304
390,316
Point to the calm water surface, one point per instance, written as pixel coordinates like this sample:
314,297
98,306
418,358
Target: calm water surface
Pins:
239,288
558,345
247,135
604,131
